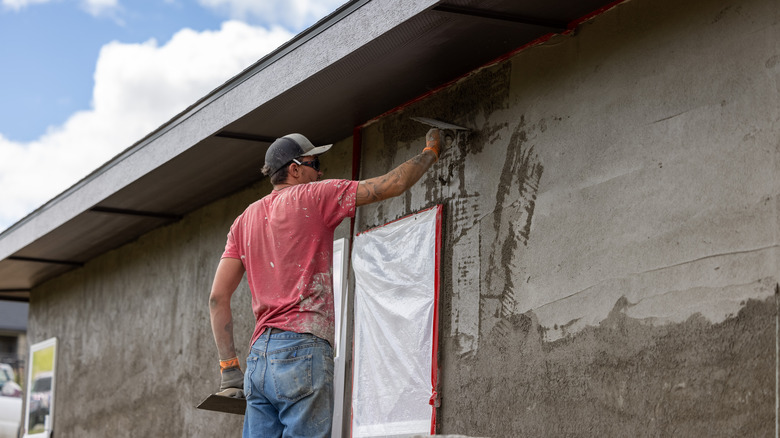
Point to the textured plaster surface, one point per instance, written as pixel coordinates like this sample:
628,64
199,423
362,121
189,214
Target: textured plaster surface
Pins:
609,258
610,255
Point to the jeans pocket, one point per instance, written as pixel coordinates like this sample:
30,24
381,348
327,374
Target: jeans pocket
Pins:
251,365
292,377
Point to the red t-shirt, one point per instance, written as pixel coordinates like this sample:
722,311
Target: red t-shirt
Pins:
285,242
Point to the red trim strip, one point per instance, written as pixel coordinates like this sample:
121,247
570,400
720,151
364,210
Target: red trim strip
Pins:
593,14
357,148
435,353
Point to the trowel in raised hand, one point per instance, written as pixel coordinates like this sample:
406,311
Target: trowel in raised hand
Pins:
448,129
439,124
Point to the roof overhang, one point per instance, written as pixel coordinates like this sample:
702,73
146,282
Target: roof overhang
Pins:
360,62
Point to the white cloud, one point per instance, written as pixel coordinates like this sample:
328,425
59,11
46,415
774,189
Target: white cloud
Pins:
294,14
19,4
98,8
138,87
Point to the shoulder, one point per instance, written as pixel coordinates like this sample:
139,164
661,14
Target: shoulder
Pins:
327,186
336,184
255,207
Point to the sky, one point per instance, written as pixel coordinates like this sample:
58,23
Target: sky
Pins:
83,80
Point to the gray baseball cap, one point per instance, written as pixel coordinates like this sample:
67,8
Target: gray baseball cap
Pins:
284,149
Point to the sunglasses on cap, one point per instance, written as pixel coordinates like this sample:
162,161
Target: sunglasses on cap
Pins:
314,164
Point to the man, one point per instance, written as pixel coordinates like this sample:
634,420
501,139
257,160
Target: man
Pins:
284,243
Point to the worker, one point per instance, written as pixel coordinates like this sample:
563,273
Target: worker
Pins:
284,243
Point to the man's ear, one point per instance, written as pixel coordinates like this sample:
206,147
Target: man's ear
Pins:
295,171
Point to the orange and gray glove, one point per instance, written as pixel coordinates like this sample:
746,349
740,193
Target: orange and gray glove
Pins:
433,141
232,383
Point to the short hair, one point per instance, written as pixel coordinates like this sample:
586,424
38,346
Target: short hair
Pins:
279,176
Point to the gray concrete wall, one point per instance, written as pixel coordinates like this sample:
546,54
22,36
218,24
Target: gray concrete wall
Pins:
135,349
610,256
610,248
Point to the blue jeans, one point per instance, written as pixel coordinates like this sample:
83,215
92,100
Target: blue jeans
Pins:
289,386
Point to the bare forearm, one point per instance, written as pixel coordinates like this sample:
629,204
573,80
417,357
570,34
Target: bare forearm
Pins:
396,181
222,327
228,276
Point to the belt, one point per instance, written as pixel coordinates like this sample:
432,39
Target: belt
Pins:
274,330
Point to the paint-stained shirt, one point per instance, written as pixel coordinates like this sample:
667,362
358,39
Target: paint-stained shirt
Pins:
285,241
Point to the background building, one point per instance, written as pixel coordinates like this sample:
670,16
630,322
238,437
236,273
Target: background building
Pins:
13,334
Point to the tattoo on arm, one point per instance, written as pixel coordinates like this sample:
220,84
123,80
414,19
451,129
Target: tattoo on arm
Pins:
394,182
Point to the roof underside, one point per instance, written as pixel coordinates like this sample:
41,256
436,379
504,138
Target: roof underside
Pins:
421,53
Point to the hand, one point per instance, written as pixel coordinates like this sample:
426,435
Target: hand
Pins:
232,393
433,141
232,383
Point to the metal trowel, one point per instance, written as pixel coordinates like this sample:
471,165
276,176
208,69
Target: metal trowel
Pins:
449,131
439,124
221,403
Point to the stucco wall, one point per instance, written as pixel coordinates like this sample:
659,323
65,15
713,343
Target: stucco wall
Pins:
135,349
610,257
610,253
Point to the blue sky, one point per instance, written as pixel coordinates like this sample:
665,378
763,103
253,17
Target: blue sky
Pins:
82,80
50,52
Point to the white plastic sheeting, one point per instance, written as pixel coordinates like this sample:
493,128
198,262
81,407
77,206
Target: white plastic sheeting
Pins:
396,290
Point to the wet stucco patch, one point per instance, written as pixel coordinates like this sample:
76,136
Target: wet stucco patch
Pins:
621,378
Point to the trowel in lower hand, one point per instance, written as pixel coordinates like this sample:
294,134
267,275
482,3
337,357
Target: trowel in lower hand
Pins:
222,403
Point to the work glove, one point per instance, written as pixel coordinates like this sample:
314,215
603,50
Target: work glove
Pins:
433,141
232,383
